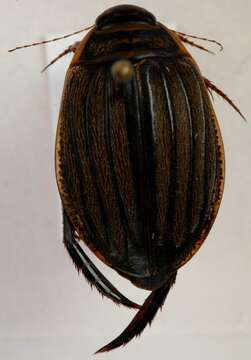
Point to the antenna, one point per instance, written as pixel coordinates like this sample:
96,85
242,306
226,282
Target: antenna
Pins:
48,41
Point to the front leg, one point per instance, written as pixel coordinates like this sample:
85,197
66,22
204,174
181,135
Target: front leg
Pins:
71,48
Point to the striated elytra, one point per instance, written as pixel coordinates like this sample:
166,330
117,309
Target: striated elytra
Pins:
139,156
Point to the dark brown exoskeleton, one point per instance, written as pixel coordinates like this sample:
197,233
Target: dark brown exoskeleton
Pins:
139,157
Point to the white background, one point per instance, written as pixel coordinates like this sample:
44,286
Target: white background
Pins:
49,312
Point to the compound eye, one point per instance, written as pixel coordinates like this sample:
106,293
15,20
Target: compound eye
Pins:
122,71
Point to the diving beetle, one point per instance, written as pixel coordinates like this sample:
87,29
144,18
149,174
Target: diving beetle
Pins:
139,156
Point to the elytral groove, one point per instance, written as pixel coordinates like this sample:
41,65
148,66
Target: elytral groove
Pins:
134,135
198,189
178,188
121,161
103,166
149,162
122,243
211,171
89,153
73,173
173,153
188,202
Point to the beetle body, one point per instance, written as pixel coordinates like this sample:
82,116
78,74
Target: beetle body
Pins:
139,163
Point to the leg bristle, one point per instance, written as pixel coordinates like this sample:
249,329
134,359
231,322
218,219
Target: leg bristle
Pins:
214,88
143,317
84,264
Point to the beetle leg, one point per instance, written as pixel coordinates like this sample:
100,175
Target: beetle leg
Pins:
143,317
185,40
71,48
88,269
183,35
214,88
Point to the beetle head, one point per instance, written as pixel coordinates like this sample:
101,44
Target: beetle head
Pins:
124,14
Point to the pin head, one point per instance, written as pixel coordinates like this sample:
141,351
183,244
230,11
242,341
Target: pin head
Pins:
122,71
